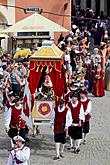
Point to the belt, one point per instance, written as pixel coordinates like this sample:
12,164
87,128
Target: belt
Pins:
18,161
15,127
75,124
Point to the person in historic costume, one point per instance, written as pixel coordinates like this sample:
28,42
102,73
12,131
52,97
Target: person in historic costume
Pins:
83,82
60,121
86,102
103,52
87,65
94,63
96,55
67,62
98,86
73,87
46,90
20,154
79,70
75,130
86,44
107,75
14,124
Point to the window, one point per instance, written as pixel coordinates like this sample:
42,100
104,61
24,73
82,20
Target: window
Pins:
26,33
42,33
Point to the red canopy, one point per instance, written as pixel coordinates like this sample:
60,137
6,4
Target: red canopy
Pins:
56,72
51,57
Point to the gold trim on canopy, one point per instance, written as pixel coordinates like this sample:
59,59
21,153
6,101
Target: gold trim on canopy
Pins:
48,53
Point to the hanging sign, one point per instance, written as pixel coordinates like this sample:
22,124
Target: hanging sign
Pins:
33,10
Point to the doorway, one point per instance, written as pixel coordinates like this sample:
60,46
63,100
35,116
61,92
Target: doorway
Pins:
97,8
108,7
88,2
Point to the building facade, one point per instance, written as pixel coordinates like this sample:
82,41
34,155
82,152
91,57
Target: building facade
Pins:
96,5
11,11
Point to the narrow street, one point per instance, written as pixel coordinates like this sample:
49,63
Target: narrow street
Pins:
95,152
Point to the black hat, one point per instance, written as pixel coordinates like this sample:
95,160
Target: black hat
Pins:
17,98
11,93
75,94
61,101
74,83
83,91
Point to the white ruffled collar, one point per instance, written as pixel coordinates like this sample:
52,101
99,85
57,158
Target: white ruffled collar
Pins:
18,107
74,104
83,100
61,109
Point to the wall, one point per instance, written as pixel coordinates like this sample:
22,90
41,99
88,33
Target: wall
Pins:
56,7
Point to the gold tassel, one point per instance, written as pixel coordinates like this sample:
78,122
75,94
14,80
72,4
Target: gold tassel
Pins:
41,69
47,70
37,69
50,69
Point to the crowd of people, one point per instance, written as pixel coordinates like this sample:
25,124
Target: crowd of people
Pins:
86,72
13,77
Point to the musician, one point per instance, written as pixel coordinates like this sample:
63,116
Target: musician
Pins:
20,154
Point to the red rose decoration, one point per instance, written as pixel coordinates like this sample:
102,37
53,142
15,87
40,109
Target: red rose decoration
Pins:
44,109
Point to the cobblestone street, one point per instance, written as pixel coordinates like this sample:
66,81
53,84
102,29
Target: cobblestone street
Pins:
95,152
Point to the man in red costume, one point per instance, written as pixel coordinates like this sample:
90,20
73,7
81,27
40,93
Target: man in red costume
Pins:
14,124
71,89
60,121
87,109
75,130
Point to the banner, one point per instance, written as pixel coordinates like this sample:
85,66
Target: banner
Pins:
26,113
42,110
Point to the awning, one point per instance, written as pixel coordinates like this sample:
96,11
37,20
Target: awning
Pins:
35,23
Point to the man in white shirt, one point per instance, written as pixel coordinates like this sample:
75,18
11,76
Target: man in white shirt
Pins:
20,154
60,121
87,109
75,130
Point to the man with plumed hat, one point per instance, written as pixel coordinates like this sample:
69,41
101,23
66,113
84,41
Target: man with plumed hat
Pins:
20,154
86,102
60,121
75,130
14,123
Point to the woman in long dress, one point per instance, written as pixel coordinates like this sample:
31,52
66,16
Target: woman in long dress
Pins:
46,90
98,86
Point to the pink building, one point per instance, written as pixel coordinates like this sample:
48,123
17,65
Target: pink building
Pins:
55,10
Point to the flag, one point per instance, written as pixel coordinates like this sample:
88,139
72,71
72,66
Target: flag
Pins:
26,113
